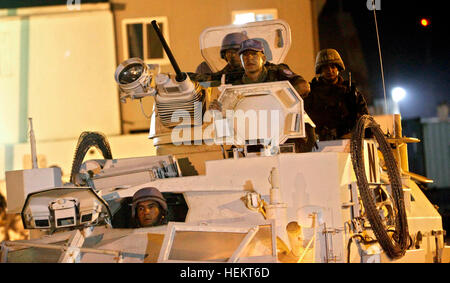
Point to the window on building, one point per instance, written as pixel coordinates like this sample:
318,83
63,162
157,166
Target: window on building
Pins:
140,40
247,16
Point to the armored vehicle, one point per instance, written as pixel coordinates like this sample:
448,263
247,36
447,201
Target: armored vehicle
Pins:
236,189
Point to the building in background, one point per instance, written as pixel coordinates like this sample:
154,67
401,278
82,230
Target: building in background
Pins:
431,157
59,62
182,23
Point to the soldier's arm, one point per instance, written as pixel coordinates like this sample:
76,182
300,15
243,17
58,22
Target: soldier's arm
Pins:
361,110
302,87
360,104
203,68
297,81
199,77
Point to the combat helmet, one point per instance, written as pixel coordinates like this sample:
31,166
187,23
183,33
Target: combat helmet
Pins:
251,44
329,56
145,194
232,41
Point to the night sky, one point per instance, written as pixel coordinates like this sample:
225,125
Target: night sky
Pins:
414,57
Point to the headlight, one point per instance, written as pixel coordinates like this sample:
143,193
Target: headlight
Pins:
134,79
131,73
65,211
42,223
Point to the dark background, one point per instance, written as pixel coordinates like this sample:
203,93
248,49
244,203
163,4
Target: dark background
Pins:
414,57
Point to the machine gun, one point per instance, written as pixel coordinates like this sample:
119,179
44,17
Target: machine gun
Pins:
176,98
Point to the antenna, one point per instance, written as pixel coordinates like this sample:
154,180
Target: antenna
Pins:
381,64
33,145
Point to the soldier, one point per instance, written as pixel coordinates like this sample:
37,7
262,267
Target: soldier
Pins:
148,208
258,70
228,52
203,69
334,105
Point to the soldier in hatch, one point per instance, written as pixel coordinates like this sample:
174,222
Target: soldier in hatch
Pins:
228,52
334,105
148,208
258,70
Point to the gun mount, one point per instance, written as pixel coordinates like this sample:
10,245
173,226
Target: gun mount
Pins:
179,101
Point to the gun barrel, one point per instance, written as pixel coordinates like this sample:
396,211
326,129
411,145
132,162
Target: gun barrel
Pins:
180,75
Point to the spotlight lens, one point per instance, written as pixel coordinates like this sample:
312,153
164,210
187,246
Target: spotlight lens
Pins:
131,73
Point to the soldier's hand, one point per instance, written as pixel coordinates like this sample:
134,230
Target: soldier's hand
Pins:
215,105
303,88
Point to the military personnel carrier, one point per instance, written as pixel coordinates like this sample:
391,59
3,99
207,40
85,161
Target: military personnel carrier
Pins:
236,189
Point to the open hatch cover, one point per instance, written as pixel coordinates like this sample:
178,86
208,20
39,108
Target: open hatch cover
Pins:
275,35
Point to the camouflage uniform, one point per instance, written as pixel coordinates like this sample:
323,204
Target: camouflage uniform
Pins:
203,68
334,108
281,72
271,72
231,75
274,73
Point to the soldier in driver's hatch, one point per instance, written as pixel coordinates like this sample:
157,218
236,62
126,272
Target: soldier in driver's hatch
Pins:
228,52
334,105
148,208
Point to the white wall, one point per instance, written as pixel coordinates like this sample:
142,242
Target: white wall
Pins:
57,66
61,73
2,162
72,64
9,79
